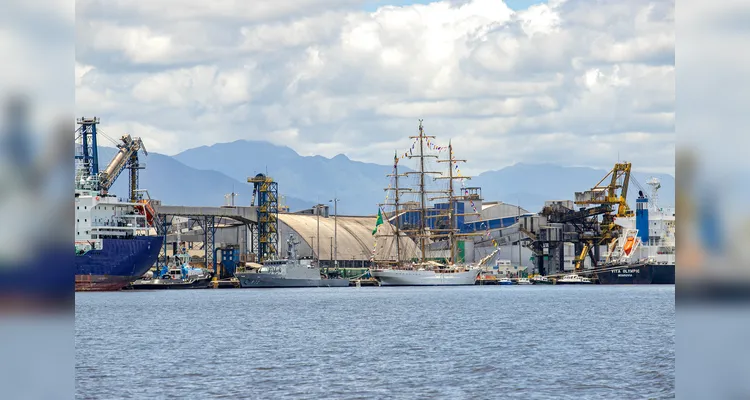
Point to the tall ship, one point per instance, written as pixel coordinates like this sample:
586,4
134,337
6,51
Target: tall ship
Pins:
288,272
645,251
417,269
112,236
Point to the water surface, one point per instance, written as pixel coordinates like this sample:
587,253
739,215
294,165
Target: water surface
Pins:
518,342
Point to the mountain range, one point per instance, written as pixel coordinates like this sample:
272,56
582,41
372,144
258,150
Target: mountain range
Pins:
202,176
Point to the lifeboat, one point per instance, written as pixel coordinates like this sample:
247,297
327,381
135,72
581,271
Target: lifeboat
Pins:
628,247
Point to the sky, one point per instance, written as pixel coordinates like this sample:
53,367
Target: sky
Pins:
576,82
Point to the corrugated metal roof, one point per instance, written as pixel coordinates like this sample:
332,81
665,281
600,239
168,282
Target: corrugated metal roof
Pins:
354,237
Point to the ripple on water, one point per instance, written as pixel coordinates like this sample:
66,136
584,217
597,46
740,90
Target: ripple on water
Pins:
598,342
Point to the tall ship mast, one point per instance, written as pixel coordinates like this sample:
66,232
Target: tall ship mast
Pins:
452,233
421,233
425,272
396,189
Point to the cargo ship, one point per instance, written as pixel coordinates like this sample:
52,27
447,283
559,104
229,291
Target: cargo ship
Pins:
645,252
113,241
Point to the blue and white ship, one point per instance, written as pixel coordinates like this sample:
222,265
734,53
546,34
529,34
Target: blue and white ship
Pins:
645,252
113,237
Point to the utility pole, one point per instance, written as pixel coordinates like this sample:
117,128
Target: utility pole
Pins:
317,212
335,202
331,247
518,201
312,249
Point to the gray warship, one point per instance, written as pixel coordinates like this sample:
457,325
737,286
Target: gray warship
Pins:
289,272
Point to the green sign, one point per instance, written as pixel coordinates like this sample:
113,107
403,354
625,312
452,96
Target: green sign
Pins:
460,257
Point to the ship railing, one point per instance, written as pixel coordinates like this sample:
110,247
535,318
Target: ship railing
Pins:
119,226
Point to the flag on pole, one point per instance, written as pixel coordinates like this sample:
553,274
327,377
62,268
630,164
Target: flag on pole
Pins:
378,223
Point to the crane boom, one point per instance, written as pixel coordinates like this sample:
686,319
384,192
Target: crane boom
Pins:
126,150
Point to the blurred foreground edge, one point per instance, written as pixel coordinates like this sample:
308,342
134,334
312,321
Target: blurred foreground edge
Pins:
44,284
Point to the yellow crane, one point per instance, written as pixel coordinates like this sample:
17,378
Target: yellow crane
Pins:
611,192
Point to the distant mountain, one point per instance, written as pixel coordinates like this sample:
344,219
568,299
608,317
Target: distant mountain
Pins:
174,183
533,184
203,175
315,179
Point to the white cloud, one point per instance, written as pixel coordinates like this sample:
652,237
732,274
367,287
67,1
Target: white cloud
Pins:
567,82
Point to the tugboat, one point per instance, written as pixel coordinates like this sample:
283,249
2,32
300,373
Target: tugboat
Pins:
182,277
523,281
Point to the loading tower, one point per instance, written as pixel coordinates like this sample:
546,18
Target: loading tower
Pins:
266,194
88,156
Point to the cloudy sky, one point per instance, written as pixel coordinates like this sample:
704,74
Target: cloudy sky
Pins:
576,82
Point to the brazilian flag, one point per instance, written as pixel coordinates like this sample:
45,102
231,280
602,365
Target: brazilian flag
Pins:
378,223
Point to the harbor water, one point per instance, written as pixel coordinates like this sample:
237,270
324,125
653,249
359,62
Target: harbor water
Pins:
510,342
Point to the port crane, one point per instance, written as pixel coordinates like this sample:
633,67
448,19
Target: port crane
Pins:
125,158
593,224
608,198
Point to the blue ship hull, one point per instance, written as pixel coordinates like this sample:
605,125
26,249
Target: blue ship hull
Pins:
639,274
119,262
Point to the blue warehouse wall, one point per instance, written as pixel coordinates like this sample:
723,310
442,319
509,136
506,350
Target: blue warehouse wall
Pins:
413,218
493,224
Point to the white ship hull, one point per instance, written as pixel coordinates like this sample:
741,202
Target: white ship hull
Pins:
400,277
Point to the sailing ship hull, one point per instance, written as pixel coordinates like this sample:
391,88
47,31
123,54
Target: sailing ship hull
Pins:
639,274
397,277
256,280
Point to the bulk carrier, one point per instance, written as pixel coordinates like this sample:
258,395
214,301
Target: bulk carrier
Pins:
112,236
645,252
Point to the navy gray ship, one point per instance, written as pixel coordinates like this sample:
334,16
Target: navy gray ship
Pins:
288,272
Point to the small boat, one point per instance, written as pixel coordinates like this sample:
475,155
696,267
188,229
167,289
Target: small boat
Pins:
523,281
504,281
573,279
182,277
540,280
